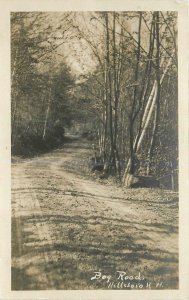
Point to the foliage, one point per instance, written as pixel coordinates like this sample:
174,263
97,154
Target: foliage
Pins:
125,98
132,94
41,98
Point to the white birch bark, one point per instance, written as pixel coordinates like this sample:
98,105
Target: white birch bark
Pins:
147,115
46,117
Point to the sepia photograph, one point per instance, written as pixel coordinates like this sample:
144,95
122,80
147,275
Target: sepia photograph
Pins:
94,150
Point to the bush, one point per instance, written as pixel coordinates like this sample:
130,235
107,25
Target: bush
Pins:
32,144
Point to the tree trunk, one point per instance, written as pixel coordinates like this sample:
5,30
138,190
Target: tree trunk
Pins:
135,94
147,113
157,112
47,116
109,89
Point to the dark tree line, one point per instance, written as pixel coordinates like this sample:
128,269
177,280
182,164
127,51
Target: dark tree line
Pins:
129,99
41,89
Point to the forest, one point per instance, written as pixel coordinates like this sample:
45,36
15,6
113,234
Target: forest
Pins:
111,77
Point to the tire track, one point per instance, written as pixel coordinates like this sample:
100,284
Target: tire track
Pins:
34,205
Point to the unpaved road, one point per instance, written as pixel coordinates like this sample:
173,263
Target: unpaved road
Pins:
66,226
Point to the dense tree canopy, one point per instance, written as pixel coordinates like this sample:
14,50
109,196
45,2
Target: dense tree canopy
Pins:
114,72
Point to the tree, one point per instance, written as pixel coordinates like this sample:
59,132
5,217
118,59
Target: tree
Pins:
35,82
133,63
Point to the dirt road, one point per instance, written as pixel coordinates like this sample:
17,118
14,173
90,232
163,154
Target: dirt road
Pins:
66,226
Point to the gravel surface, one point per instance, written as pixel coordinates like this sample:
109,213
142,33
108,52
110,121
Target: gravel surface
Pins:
72,231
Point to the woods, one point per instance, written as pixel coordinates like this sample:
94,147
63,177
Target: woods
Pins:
40,87
94,150
114,73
